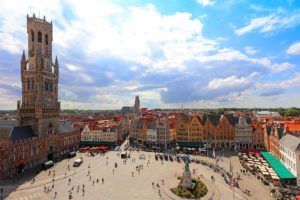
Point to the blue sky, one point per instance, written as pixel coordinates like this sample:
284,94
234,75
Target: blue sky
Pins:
195,53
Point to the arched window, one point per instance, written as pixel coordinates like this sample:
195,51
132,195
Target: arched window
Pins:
28,84
39,36
46,86
46,39
32,36
32,85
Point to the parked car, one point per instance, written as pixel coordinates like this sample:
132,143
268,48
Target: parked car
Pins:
78,162
47,164
71,154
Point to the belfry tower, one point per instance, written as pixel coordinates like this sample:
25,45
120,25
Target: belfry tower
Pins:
39,106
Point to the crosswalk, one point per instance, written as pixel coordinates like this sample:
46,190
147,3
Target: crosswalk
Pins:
30,196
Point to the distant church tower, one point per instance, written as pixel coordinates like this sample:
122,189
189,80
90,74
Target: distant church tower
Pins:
39,106
137,105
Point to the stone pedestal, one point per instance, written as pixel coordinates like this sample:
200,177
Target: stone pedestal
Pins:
187,179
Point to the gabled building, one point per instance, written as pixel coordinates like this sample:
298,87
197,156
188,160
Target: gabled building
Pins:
272,134
258,135
289,146
243,133
195,129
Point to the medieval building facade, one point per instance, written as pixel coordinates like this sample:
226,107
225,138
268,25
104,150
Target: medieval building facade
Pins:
38,135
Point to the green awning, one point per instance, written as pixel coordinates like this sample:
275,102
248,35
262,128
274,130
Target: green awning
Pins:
190,144
279,168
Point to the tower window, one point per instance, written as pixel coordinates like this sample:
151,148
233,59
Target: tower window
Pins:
32,85
28,84
46,86
46,39
39,36
32,36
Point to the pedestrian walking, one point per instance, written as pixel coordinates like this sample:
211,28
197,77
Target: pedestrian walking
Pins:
102,180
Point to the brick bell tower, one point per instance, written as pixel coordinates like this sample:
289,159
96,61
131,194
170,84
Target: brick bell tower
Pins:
39,106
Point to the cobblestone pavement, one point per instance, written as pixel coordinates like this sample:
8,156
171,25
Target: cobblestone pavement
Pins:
120,184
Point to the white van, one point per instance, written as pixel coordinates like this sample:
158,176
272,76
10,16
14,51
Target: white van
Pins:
77,162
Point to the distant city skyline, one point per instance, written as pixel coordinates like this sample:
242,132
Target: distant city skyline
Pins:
196,53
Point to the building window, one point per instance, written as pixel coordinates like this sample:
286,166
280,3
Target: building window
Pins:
46,86
39,36
28,84
46,39
32,85
32,36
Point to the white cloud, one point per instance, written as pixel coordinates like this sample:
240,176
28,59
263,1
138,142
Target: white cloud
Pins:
148,41
278,67
230,82
86,78
271,23
206,2
73,68
133,68
294,49
250,50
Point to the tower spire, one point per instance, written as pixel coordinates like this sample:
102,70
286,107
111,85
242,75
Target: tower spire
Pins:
23,61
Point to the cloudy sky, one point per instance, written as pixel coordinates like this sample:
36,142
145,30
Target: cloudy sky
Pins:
195,53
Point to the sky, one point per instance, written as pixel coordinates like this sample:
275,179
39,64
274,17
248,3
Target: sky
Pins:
175,53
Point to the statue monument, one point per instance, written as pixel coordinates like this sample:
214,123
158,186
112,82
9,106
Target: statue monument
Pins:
186,178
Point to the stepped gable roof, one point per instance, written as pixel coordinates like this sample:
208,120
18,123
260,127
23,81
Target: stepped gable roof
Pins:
233,120
65,127
182,117
21,133
214,119
195,116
